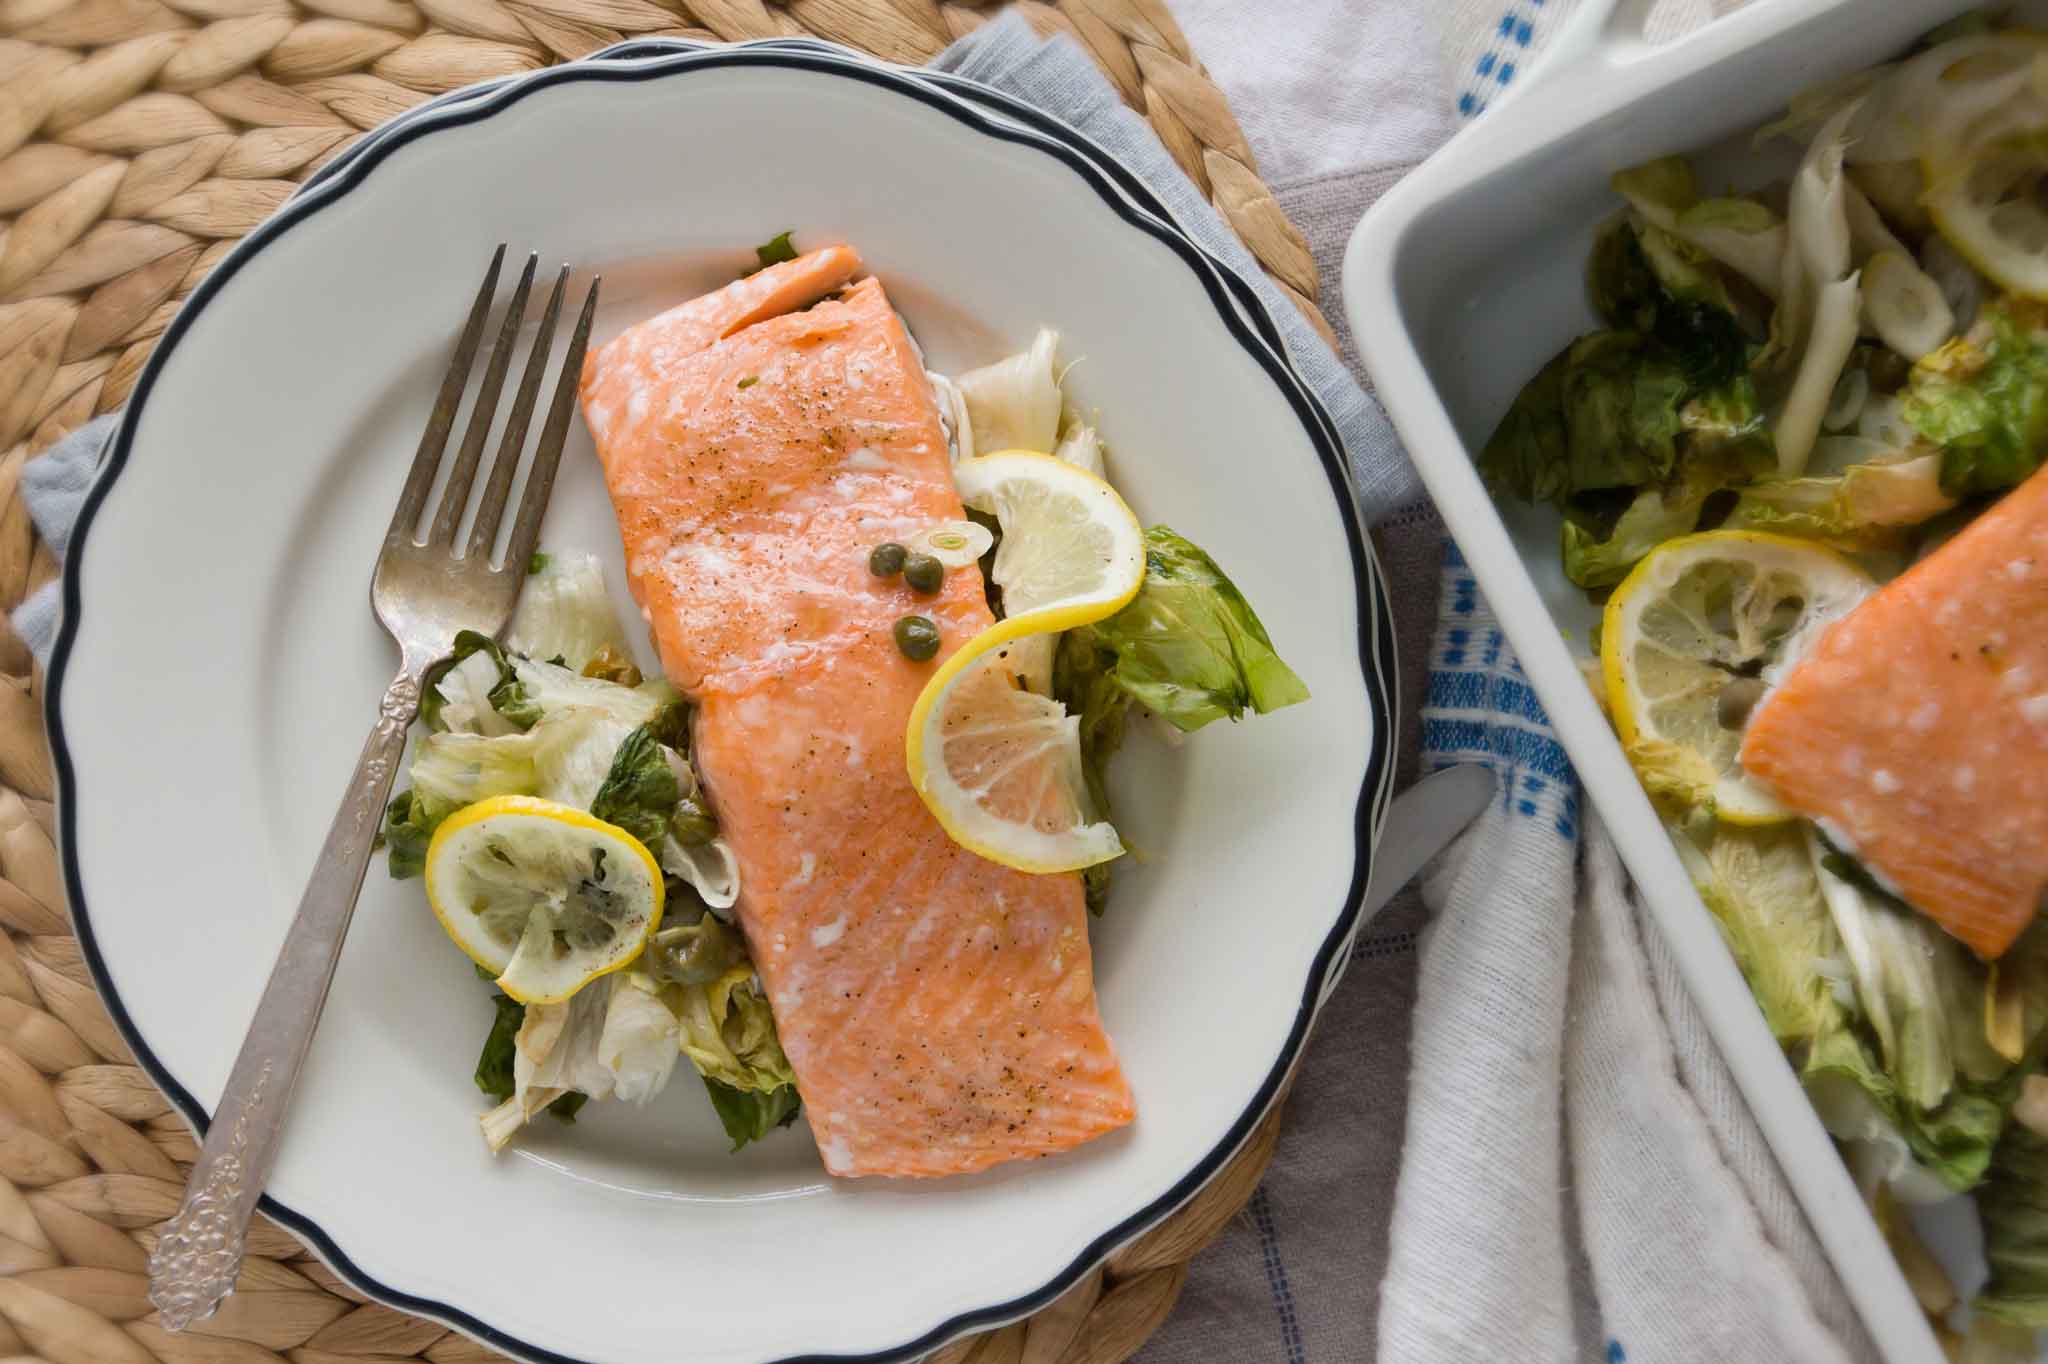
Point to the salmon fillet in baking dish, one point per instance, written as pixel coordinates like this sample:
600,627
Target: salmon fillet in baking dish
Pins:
938,1009
1917,729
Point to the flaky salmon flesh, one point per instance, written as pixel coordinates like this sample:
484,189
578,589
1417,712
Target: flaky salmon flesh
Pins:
938,1009
1917,729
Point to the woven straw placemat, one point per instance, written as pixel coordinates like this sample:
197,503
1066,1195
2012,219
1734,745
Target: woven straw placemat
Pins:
139,139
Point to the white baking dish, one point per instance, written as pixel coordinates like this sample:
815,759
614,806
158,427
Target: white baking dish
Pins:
1459,285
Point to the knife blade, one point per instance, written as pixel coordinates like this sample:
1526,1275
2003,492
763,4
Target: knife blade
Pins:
1420,824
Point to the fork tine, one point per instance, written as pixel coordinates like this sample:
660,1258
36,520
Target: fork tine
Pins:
540,481
420,479
455,495
491,509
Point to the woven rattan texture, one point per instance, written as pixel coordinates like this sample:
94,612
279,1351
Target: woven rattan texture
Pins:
139,139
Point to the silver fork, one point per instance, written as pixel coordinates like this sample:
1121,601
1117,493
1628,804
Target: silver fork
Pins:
424,591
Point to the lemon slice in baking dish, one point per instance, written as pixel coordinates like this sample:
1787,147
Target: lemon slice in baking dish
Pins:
996,760
1689,642
546,895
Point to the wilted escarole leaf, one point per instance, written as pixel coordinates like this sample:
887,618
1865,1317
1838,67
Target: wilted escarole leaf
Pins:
1726,445
640,792
1602,414
1189,647
1864,506
1982,399
2013,1205
494,1064
728,1033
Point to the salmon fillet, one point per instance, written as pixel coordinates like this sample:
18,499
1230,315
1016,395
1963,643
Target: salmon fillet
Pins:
938,1009
1918,727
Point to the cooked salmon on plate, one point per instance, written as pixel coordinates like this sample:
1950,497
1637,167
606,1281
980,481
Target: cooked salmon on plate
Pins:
1917,729
938,1009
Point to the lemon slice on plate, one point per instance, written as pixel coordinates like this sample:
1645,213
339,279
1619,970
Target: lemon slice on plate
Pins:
546,895
996,760
1000,766
1689,642
1987,203
1071,553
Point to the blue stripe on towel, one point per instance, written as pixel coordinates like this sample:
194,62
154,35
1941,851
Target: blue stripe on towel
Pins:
1496,67
1478,707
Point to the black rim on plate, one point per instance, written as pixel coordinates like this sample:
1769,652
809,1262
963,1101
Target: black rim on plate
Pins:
1260,340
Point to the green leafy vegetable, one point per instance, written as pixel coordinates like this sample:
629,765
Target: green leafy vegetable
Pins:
1189,647
500,693
693,824
409,826
1982,399
1726,447
1602,414
1883,1020
2013,1204
550,687
640,792
450,771
494,1065
1643,279
1608,431
751,1114
536,562
1760,886
1864,506
728,1033
774,251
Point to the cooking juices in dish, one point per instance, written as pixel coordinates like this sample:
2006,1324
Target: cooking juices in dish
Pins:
1801,462
739,866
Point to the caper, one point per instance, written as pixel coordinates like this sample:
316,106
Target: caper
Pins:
692,824
917,637
1737,700
925,574
886,559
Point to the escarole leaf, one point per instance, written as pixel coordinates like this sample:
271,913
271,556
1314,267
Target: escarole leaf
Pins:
1626,407
1982,399
751,1114
1602,414
1860,507
474,690
727,1031
2013,1206
640,791
1188,647
1726,445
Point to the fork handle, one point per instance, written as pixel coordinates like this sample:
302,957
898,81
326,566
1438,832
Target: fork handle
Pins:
199,1253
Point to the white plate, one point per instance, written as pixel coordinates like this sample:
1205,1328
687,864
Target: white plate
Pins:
218,664
1459,284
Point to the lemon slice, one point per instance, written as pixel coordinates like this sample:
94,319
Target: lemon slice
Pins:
1071,552
996,760
999,765
544,894
1987,203
1690,640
